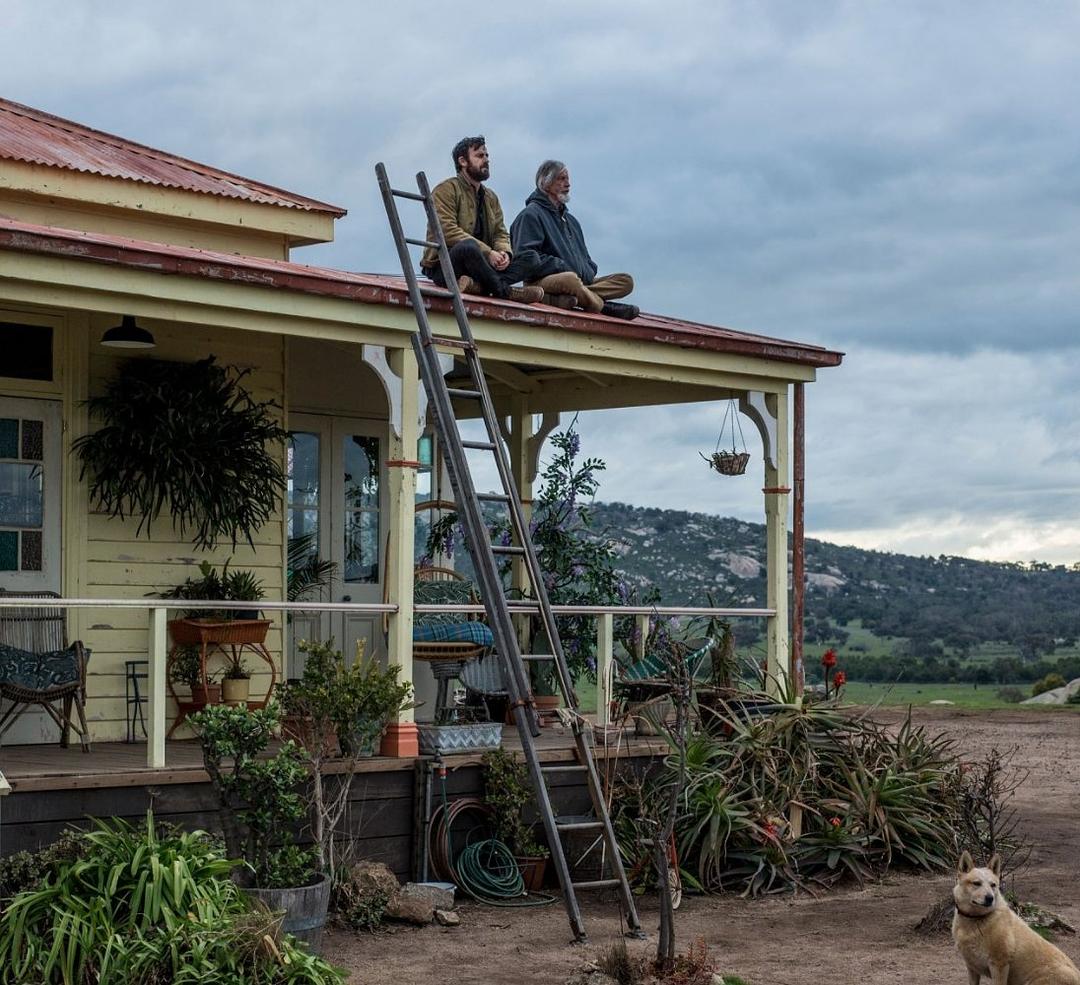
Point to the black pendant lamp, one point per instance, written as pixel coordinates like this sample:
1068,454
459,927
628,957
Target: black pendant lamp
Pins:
128,335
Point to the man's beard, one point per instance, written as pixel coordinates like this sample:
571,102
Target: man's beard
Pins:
564,198
478,174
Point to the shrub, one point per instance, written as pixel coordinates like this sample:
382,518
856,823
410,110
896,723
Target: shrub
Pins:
1010,694
142,908
28,870
1048,683
508,791
865,798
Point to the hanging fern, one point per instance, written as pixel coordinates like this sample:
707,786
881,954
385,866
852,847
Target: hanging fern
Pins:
185,437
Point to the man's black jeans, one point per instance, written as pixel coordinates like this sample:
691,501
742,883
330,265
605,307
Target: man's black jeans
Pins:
469,260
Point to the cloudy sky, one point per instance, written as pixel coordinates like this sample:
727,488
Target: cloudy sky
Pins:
900,181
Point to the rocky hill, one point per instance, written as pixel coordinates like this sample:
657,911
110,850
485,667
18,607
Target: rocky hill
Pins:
955,601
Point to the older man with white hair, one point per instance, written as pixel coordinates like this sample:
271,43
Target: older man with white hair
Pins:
569,273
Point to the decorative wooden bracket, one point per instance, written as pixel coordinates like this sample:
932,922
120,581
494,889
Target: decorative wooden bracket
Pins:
754,406
548,423
375,356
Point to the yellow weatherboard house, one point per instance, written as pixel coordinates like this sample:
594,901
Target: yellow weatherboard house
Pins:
112,252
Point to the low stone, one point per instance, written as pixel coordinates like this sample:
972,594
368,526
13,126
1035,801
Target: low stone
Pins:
409,909
593,977
440,899
447,918
370,878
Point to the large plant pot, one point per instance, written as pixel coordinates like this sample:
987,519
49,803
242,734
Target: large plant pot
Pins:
209,694
235,690
533,869
199,632
304,908
449,739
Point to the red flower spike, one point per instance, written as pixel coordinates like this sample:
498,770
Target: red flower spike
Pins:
834,821
839,680
829,659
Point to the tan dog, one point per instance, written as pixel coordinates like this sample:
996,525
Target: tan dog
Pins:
994,941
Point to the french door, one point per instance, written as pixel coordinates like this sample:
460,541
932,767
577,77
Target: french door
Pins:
30,460
337,504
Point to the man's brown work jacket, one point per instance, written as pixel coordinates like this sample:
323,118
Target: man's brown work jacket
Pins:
455,205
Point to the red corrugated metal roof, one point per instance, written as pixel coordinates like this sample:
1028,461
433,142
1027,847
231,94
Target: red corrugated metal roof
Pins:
35,137
383,289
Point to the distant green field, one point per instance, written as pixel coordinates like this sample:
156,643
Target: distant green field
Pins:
962,695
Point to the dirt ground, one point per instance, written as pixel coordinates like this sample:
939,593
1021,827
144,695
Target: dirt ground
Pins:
851,935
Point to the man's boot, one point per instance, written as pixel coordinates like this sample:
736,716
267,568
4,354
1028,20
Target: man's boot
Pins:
526,295
466,285
616,309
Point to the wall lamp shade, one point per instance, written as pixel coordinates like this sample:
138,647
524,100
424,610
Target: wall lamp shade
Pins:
128,335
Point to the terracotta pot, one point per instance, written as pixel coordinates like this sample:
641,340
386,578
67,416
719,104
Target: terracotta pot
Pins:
546,705
533,868
235,690
209,694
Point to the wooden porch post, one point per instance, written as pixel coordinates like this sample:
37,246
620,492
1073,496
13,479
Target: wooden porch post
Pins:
401,739
776,536
798,538
605,666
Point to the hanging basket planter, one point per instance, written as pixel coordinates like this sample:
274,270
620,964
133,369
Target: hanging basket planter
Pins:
728,462
731,462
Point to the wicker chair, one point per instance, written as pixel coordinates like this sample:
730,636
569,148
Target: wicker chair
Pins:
39,667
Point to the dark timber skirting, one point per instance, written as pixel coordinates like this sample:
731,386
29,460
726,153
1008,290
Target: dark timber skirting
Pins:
384,800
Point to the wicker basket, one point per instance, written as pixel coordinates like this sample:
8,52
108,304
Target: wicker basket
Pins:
196,632
728,462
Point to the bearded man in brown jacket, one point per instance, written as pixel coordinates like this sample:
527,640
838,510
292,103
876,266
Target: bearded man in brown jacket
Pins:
475,232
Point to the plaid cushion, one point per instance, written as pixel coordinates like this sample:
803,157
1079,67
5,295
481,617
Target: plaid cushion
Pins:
39,671
453,632
652,666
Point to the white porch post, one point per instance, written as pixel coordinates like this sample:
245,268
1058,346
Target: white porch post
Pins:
777,493
157,650
401,737
605,666
518,448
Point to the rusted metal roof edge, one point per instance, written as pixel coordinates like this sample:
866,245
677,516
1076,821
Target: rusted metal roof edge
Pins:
74,130
283,275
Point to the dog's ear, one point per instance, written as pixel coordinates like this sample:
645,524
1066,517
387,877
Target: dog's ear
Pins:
966,864
995,865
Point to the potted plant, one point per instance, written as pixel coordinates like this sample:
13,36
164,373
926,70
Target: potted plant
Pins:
236,681
260,806
507,792
187,436
201,627
186,669
339,706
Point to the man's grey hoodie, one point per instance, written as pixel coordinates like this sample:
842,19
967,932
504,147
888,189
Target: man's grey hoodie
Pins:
555,234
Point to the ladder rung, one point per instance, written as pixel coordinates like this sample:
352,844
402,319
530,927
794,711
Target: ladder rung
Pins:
456,343
402,194
489,497
538,656
507,549
579,825
479,446
563,768
596,884
474,394
422,242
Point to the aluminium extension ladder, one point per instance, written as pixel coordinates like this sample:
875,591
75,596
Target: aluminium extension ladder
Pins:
483,553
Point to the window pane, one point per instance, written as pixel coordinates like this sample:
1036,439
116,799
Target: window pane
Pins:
27,351
305,523
9,437
33,439
303,469
361,546
9,550
31,550
21,495
361,471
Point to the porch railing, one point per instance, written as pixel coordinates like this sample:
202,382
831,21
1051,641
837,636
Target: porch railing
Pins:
158,645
